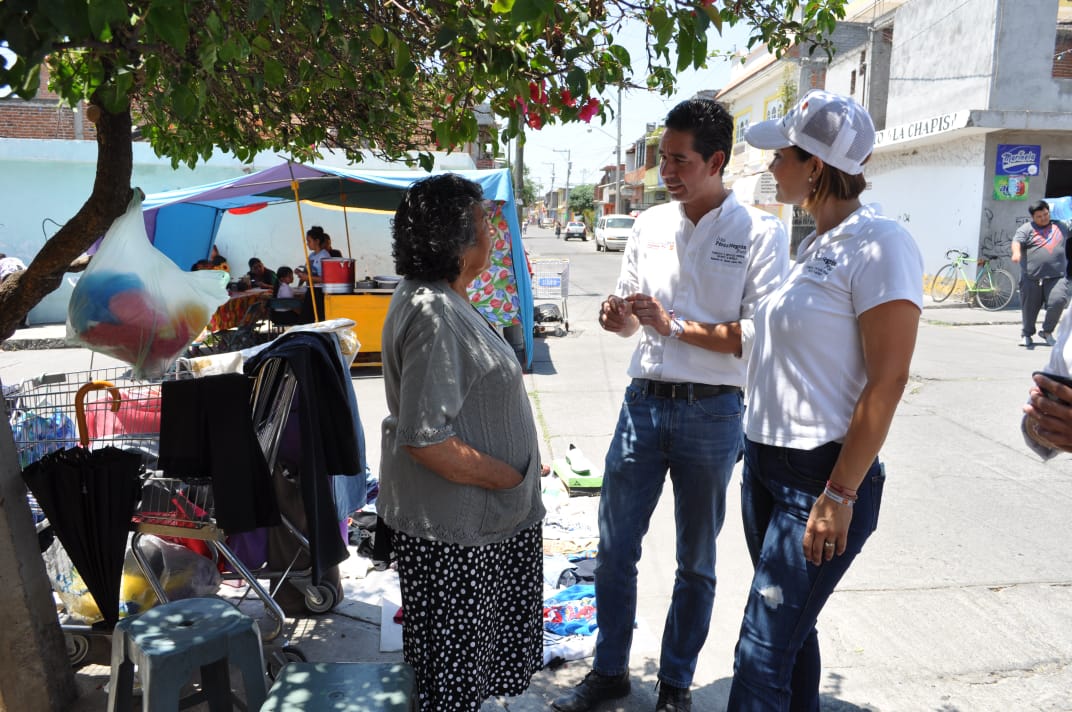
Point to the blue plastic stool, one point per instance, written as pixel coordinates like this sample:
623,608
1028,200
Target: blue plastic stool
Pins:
169,642
343,687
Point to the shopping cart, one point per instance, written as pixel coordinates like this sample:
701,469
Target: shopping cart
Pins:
108,407
550,280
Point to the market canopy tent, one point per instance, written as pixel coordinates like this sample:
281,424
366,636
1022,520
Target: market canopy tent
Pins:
183,223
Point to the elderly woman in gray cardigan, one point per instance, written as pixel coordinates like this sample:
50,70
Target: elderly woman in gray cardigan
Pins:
460,470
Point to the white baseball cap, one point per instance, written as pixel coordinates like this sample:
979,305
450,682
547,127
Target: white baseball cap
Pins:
833,127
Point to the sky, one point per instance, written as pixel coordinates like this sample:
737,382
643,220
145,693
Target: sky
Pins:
592,146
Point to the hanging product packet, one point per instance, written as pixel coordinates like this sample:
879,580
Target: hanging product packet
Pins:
135,304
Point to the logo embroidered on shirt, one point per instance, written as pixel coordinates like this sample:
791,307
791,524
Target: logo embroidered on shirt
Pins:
657,244
820,265
729,253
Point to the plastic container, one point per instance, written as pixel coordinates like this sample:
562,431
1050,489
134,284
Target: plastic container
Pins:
337,275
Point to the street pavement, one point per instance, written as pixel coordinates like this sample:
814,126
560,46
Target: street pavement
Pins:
962,600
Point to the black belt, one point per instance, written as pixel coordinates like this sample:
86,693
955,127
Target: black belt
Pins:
691,391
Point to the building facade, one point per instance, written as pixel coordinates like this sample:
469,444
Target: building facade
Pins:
972,100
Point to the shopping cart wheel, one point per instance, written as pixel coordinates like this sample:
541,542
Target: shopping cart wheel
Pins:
322,600
279,658
77,648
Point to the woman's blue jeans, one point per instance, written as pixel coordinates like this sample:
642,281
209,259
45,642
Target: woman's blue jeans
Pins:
698,441
777,666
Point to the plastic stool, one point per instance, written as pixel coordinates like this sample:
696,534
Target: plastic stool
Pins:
343,687
168,642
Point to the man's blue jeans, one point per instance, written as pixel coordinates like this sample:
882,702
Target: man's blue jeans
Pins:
777,665
698,441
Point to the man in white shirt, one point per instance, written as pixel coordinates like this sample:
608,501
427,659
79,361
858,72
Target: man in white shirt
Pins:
692,274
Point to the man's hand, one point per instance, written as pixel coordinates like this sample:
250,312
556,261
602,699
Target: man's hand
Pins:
650,312
616,316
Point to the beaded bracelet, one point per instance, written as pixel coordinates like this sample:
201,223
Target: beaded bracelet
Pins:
842,490
839,498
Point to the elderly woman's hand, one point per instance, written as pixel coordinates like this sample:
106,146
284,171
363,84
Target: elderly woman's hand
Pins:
460,463
1049,413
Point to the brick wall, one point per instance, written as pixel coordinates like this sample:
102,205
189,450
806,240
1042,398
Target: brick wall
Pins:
43,117
1062,54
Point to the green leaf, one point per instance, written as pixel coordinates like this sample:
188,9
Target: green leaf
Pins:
525,11
274,73
715,16
257,9
104,13
401,56
502,6
168,22
184,103
377,35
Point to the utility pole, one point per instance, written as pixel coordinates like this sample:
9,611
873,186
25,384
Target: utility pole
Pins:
569,168
618,159
551,190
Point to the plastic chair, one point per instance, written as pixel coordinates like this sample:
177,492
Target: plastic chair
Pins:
343,687
169,642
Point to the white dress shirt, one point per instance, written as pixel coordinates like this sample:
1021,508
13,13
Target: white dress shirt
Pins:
714,271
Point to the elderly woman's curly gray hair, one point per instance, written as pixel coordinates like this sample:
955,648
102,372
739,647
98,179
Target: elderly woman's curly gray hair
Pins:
433,226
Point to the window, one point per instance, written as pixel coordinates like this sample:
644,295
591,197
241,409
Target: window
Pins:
1062,49
775,109
742,126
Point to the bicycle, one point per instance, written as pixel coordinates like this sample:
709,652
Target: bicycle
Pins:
992,288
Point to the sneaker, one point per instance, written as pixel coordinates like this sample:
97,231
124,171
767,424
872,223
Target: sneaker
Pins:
594,688
673,699
1028,342
1047,337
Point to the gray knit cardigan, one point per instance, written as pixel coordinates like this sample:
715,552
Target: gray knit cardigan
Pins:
448,373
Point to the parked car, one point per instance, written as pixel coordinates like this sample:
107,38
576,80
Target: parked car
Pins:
613,231
547,223
575,229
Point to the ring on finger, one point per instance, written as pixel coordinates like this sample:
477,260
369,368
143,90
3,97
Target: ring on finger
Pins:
828,544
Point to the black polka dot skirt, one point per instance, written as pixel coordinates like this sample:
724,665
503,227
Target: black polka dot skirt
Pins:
472,617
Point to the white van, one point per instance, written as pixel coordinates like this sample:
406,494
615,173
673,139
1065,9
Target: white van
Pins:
613,231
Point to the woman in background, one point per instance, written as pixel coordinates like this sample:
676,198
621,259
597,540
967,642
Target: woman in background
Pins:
460,470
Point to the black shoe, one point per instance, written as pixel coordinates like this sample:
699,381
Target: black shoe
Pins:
592,689
673,699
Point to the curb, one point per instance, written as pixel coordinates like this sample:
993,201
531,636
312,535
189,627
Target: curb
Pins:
35,344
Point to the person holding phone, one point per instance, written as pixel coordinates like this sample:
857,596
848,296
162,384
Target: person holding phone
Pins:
1047,422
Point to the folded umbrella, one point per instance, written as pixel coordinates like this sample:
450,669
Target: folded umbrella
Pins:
89,498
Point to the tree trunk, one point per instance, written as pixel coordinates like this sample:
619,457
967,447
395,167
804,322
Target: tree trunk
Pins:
29,629
111,194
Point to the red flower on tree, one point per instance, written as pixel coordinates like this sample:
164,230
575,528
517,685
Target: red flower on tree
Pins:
537,93
590,109
568,99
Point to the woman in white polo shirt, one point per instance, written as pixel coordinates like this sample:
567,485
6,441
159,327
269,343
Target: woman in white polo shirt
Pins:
832,351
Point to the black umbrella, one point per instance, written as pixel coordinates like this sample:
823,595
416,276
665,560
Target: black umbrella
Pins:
89,499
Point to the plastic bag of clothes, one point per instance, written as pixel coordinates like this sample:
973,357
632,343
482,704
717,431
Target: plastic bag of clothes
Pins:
182,573
137,305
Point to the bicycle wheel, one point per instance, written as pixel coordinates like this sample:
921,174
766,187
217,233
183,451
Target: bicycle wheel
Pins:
994,289
945,281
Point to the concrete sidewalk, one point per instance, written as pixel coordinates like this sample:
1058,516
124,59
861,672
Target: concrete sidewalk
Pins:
962,601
